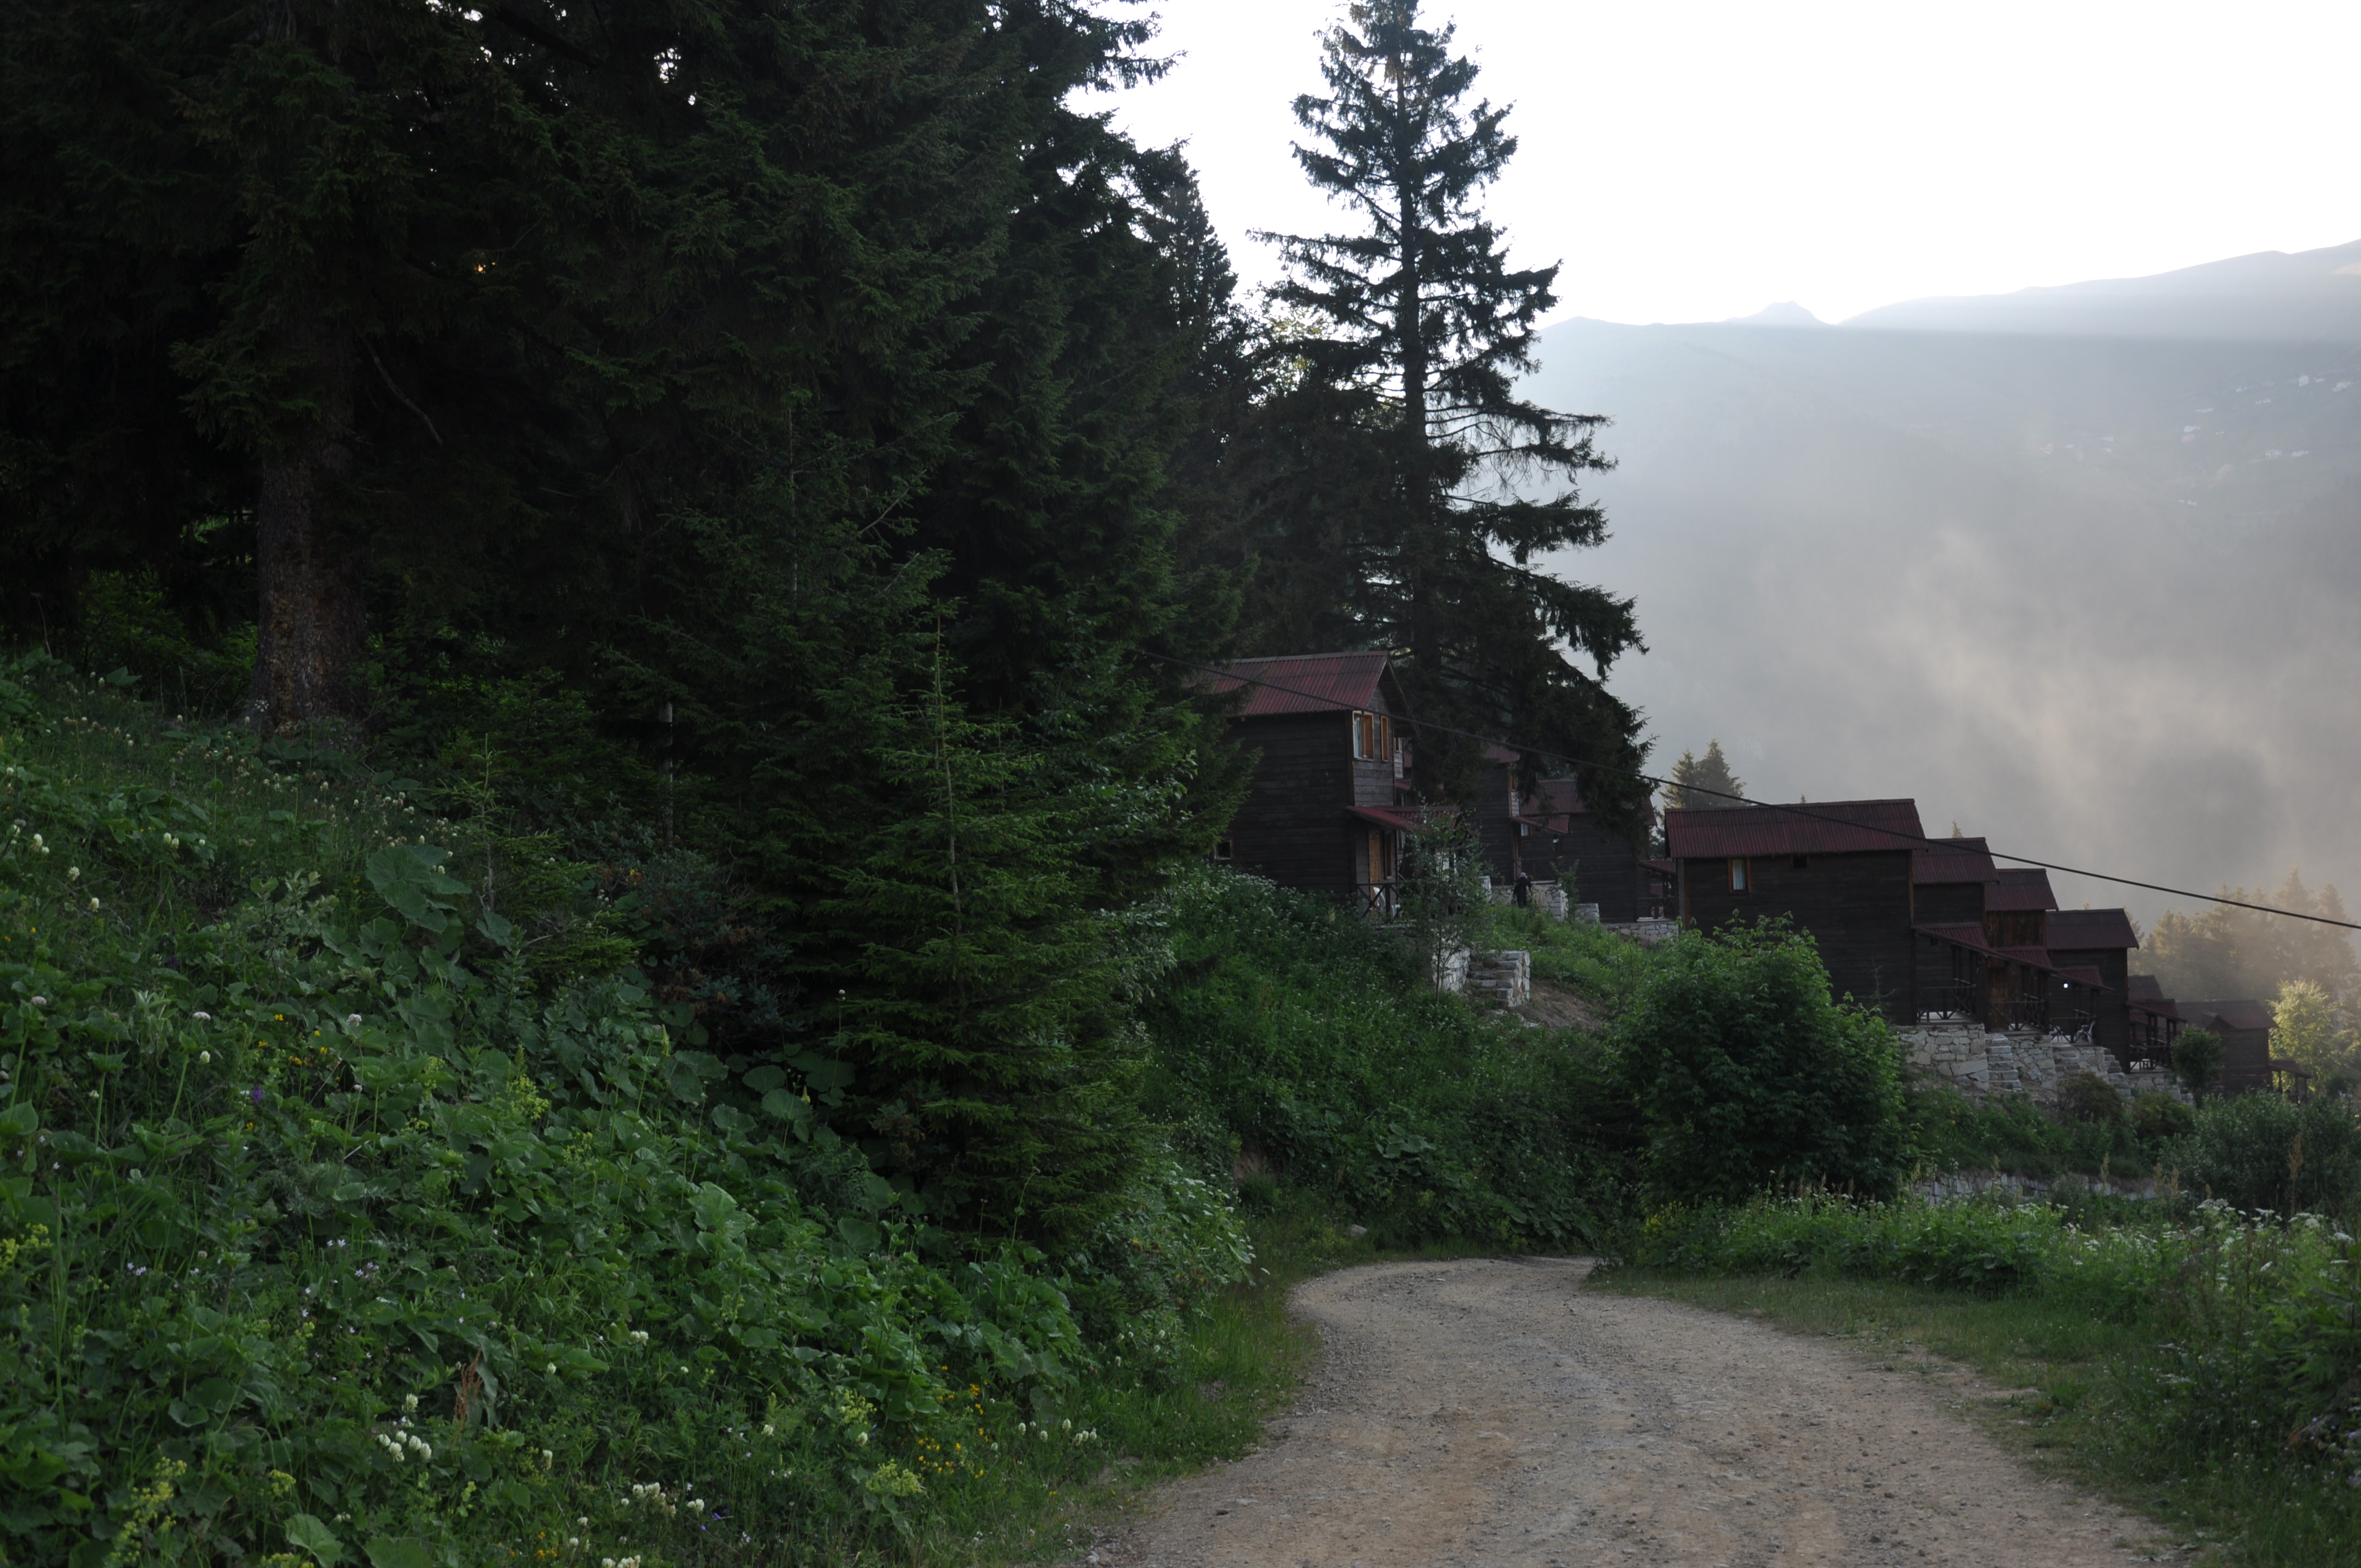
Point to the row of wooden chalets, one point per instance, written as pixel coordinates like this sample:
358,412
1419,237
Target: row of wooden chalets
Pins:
1988,980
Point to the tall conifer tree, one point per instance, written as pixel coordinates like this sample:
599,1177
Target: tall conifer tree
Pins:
1418,326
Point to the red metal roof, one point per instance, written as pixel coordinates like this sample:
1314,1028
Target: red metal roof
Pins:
1831,827
2147,995
2082,974
1958,936
1972,939
2085,928
1303,682
1954,859
1560,797
1403,821
2239,1012
2020,887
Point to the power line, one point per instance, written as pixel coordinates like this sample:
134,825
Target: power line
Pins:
1914,839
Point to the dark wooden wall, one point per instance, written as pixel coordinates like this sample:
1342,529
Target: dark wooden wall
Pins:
2112,1027
1856,906
1495,825
1293,826
1939,968
2017,927
1948,904
2245,1060
1605,869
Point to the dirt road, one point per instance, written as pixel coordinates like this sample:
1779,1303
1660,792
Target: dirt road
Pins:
1493,1413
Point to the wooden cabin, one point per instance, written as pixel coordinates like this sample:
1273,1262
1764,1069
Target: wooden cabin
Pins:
1983,950
1842,872
2155,1020
2016,908
2245,1025
2097,943
1327,808
1558,838
1952,970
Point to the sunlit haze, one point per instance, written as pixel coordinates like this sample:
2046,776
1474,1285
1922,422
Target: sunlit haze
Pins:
1693,163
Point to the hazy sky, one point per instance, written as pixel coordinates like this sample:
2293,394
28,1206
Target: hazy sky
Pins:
1696,162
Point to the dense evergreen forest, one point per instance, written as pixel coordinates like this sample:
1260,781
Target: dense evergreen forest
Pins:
803,438
649,566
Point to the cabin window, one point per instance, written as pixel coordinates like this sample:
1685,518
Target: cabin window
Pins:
1377,859
1373,737
1524,829
1738,876
1224,850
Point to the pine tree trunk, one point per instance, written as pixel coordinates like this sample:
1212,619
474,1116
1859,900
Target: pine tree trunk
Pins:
1417,539
310,632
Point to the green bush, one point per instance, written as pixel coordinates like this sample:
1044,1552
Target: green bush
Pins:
1745,1073
2087,1097
1315,1037
2157,1116
2261,1152
2197,1057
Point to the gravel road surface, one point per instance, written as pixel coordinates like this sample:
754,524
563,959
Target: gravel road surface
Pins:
1492,1411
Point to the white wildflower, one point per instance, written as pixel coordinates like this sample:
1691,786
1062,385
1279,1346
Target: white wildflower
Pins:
202,1017
204,1056
74,873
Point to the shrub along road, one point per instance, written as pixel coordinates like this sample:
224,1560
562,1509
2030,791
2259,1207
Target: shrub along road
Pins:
1493,1411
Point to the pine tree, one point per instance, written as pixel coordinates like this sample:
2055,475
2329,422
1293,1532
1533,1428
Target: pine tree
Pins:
278,228
1702,783
1420,327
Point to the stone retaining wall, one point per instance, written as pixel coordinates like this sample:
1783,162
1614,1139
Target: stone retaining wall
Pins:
1502,979
1981,1062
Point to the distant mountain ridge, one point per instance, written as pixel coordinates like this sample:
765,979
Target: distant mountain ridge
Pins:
1786,312
2271,296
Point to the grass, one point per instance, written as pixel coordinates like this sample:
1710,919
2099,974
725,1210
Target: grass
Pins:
2072,1405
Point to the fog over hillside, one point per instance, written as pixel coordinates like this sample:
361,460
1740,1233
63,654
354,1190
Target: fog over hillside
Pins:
2084,587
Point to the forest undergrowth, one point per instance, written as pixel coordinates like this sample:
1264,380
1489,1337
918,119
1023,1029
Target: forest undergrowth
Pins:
366,1201
348,1218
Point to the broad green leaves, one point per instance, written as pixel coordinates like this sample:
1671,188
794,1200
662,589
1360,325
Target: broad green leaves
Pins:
306,1533
407,876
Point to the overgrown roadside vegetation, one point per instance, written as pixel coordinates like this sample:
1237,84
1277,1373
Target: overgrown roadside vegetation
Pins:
2191,1362
372,1194
348,1218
